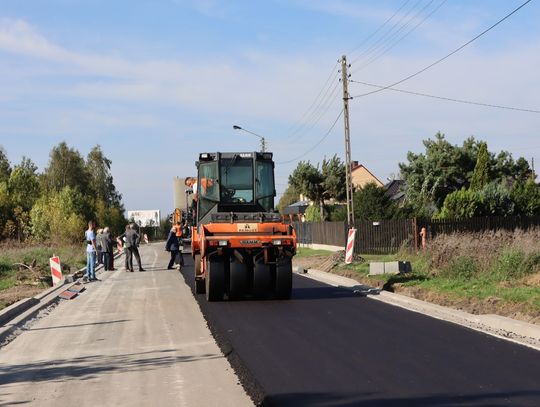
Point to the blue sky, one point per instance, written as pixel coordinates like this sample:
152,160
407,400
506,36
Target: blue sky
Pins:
156,82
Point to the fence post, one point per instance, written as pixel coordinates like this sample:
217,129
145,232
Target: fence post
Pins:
415,231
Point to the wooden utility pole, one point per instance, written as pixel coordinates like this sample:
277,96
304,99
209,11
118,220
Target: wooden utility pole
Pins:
348,161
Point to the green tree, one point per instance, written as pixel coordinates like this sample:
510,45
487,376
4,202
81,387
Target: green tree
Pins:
333,179
60,216
289,197
23,184
313,214
66,168
5,167
461,204
372,203
526,196
444,168
480,176
496,200
101,182
308,180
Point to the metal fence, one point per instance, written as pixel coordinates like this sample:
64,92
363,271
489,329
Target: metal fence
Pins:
388,236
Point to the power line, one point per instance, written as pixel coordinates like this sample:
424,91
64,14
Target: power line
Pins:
447,98
325,86
448,55
389,33
380,27
316,144
405,35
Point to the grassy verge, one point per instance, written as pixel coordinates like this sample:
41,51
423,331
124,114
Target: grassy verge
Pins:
16,280
306,252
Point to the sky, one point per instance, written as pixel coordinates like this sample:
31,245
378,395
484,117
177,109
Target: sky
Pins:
156,82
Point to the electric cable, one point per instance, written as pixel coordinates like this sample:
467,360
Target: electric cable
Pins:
316,144
469,102
405,35
446,56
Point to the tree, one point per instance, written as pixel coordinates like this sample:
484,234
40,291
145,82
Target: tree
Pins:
461,204
60,216
372,203
5,168
444,168
289,197
526,196
100,179
66,169
334,179
23,184
480,176
307,180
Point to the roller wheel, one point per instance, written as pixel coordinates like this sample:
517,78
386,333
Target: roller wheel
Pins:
238,279
261,280
215,279
200,287
284,279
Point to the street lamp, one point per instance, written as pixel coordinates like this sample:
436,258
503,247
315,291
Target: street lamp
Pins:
263,141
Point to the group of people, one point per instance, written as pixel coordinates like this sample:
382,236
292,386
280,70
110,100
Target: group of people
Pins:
100,246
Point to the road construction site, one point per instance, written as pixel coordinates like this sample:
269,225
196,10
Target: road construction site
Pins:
145,338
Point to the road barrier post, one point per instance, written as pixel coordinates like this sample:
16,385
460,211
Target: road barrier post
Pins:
349,251
56,270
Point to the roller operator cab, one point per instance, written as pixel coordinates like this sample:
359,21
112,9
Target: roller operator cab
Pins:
240,244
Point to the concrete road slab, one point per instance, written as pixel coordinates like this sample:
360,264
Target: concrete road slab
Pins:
132,339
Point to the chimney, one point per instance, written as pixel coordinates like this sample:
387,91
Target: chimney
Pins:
354,165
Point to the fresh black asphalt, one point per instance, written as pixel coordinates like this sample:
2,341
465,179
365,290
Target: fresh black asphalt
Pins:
330,347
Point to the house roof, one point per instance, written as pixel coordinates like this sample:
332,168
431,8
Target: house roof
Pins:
296,208
359,166
395,189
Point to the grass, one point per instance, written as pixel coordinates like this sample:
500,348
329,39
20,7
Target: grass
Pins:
307,252
71,258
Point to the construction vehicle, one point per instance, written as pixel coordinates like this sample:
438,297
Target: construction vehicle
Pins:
240,245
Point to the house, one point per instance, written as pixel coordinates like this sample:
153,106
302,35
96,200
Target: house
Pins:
361,176
395,189
296,210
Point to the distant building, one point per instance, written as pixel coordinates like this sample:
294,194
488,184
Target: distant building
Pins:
361,176
395,190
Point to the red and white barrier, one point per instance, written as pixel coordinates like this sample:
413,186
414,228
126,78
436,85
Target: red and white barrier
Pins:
56,270
349,251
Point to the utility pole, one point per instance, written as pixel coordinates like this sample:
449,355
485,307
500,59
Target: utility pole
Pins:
348,161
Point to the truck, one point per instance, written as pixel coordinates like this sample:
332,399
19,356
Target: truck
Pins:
241,246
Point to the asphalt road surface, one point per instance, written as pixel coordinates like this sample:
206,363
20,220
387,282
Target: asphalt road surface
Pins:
330,347
132,339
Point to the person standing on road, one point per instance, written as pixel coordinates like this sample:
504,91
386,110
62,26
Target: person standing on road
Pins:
107,248
173,246
136,239
125,241
90,252
99,246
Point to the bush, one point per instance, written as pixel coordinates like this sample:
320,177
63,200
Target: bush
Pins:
508,264
462,267
313,214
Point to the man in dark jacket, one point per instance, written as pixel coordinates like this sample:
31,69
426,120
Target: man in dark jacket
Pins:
107,247
173,246
131,240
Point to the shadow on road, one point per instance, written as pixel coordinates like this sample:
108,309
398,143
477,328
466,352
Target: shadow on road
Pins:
77,325
88,367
